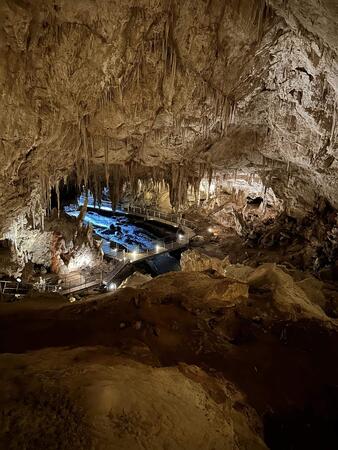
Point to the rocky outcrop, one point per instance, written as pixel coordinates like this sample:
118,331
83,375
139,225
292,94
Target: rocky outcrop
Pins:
98,398
63,246
195,261
287,296
290,298
137,279
309,243
265,335
197,291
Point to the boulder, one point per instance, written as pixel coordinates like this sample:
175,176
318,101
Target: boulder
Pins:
137,279
197,240
195,261
287,296
313,288
197,291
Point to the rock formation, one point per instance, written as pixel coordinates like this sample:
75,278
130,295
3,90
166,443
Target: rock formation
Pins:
124,369
90,87
223,113
126,403
195,261
137,279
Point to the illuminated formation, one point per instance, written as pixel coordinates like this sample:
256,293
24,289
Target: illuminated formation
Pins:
168,224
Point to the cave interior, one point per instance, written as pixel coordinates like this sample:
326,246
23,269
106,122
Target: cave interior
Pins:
169,224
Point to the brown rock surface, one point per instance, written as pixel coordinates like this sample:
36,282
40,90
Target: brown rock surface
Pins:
95,398
281,354
137,279
195,261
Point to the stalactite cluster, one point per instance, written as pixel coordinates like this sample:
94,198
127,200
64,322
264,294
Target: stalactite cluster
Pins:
156,54
131,178
161,84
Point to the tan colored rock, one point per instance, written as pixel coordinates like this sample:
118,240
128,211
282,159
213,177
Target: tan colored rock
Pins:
195,261
313,289
227,295
288,297
137,279
197,290
96,398
238,272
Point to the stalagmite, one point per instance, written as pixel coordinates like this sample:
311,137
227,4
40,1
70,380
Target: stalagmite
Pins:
83,210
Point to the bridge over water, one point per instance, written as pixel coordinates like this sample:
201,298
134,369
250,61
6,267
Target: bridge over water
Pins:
123,259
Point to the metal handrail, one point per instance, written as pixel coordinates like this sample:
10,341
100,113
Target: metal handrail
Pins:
148,212
68,286
172,245
170,217
93,280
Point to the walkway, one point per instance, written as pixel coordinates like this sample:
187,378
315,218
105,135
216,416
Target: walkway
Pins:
131,258
13,287
123,258
168,218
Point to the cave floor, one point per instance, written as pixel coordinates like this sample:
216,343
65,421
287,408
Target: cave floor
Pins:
287,369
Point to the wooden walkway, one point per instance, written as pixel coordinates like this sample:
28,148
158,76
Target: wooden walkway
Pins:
172,246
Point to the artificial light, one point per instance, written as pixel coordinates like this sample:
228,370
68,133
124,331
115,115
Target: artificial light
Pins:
112,287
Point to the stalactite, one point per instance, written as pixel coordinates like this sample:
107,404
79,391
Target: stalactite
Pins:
173,73
85,155
116,184
210,171
42,220
120,91
33,219
333,126
165,45
57,189
106,163
49,196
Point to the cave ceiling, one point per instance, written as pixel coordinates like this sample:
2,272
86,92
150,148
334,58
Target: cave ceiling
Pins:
86,84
